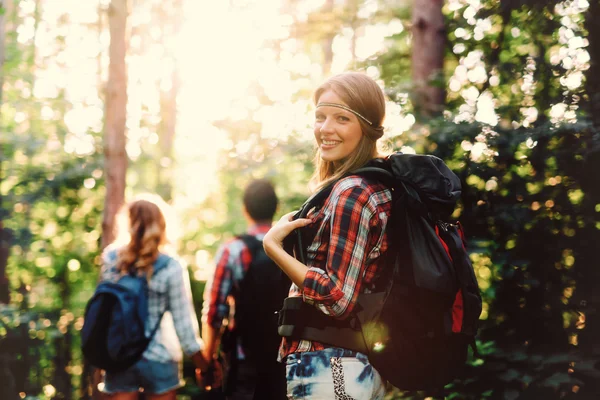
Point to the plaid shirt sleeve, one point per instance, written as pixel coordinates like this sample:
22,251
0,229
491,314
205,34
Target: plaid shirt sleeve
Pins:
181,307
108,271
233,260
357,228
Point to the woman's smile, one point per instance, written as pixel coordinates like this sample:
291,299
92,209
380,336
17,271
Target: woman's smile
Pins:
329,144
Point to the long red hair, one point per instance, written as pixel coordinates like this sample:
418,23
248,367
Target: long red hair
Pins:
147,230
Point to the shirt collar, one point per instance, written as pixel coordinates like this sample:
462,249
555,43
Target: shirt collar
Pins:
259,228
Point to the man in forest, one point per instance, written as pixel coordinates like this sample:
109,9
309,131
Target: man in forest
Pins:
246,289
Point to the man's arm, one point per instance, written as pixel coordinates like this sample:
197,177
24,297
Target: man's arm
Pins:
211,338
215,306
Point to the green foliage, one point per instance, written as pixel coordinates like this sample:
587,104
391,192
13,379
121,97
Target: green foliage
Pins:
530,202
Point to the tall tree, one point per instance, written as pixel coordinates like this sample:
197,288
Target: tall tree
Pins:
172,12
328,37
168,104
429,41
588,287
5,234
115,155
593,74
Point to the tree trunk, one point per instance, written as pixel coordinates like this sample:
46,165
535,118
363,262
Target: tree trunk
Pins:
593,74
5,234
327,10
355,23
2,38
588,287
167,137
172,12
115,156
5,241
428,45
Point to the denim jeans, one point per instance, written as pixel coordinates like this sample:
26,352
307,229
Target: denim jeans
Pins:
332,373
152,376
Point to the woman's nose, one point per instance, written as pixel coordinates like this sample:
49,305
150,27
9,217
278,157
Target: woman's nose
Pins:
326,126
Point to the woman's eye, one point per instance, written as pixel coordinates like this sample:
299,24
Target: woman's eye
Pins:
319,118
343,119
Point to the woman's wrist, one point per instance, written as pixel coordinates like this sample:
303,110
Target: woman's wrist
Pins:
271,246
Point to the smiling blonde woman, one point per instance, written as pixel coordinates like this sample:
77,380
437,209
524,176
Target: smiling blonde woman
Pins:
347,237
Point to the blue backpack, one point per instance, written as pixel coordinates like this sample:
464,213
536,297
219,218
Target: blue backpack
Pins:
115,332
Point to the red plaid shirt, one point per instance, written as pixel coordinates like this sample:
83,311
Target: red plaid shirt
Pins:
345,253
233,260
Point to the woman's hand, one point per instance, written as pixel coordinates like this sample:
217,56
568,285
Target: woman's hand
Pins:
212,378
273,245
279,231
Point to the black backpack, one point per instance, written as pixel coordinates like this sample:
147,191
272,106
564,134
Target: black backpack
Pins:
261,295
422,313
259,298
115,331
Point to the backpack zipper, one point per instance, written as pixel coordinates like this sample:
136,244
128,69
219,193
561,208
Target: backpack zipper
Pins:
443,225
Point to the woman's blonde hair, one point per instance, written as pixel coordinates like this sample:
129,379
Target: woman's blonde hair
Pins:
364,96
147,231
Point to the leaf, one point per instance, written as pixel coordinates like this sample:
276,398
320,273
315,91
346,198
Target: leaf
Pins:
562,358
558,379
511,394
509,375
588,368
526,379
517,356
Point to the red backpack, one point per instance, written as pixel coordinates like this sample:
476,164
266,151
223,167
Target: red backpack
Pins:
422,313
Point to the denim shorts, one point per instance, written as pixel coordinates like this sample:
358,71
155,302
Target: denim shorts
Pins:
332,373
152,376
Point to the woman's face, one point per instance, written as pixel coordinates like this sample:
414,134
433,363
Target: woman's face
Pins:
336,130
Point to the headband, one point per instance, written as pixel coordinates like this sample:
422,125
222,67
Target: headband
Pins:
345,108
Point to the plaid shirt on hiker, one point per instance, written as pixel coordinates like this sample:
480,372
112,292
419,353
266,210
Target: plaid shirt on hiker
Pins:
233,260
345,253
169,293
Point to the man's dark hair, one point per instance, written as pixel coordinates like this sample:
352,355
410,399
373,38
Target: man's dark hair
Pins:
260,200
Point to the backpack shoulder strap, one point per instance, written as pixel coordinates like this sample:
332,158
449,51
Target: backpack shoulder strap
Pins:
379,173
251,242
161,262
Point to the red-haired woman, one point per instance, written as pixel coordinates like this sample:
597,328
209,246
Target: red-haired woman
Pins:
158,373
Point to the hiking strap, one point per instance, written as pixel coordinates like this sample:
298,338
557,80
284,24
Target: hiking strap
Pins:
251,242
303,321
300,320
255,244
463,273
161,263
314,200
380,174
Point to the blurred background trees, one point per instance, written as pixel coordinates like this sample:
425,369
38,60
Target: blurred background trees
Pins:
105,99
